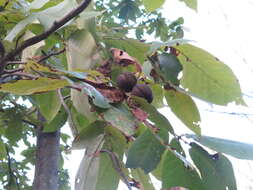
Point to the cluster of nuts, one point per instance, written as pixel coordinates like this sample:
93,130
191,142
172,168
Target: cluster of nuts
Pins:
128,83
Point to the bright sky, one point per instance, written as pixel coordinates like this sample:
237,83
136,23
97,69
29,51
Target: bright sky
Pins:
224,28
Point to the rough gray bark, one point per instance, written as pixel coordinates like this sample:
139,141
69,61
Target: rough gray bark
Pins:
47,161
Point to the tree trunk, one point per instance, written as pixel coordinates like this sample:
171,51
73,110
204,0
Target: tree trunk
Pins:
47,161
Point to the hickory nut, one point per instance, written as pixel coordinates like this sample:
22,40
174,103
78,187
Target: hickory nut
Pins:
143,91
126,81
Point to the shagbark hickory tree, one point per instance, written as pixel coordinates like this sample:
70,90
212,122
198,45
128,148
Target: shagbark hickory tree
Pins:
88,64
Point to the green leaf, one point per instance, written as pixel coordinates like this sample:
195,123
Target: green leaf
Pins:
145,152
80,56
175,145
81,46
207,77
86,15
108,176
170,67
97,98
174,173
133,47
185,109
151,5
143,179
97,172
128,10
157,172
216,170
28,87
58,121
37,4
158,95
88,133
160,120
48,16
14,130
19,27
49,104
193,4
157,45
121,118
79,120
233,148
86,177
2,150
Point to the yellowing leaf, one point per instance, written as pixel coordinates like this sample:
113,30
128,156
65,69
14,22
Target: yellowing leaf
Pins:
27,87
32,66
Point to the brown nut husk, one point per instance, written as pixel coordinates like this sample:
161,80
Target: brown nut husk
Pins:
143,91
126,81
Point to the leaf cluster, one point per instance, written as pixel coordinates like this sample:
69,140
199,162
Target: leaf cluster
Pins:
125,126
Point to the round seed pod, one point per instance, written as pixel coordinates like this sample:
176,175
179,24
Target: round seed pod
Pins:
143,91
126,81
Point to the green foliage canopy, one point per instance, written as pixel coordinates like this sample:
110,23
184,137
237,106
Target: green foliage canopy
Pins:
108,39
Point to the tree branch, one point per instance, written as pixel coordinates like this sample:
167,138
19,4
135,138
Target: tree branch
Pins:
47,160
51,54
13,177
56,25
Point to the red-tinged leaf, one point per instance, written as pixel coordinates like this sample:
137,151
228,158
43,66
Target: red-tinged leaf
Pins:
113,95
154,115
122,58
140,114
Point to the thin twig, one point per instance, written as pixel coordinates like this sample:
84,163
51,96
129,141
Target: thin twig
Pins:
117,167
66,97
129,27
6,3
15,63
12,175
21,74
18,39
51,54
29,122
13,70
33,40
74,130
38,72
